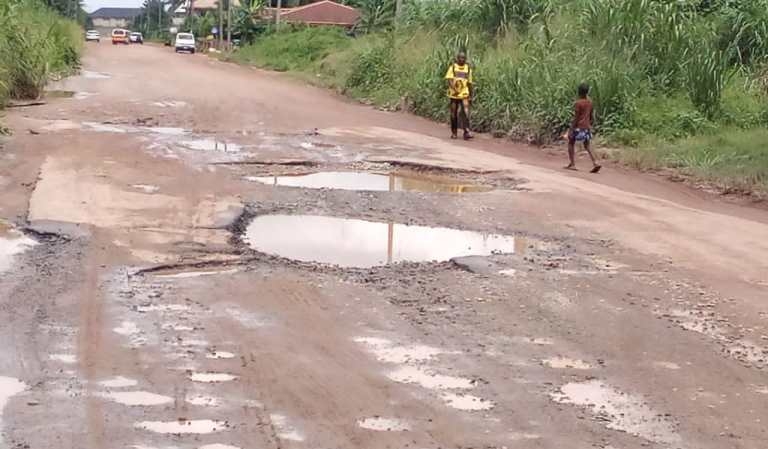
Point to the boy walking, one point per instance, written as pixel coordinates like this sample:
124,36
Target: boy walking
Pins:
460,89
581,129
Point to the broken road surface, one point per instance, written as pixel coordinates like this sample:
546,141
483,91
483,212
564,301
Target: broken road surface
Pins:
230,259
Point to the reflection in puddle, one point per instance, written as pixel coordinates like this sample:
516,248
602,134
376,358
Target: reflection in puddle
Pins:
146,188
63,358
429,379
12,242
137,398
211,145
211,377
284,430
381,424
204,401
194,274
220,355
199,426
466,402
386,351
565,363
118,382
8,388
619,411
84,95
95,75
393,182
359,243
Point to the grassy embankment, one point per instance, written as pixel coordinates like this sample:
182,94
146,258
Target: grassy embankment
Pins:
36,45
678,85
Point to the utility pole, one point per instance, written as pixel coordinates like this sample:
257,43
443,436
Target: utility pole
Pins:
221,22
398,10
277,16
159,16
229,23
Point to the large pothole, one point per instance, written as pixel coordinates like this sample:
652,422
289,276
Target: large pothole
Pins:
360,243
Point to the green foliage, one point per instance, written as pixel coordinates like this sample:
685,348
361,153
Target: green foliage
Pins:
293,48
200,25
734,158
245,23
660,71
153,21
35,44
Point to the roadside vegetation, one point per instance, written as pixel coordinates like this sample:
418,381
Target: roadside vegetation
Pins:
680,85
37,44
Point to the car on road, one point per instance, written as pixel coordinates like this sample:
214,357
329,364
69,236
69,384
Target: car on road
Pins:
136,38
185,42
119,36
92,35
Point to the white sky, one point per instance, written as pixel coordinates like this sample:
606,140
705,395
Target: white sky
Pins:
93,5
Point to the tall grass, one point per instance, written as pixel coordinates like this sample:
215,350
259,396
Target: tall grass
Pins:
35,45
293,48
661,71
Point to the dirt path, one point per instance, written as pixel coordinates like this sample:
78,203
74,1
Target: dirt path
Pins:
160,291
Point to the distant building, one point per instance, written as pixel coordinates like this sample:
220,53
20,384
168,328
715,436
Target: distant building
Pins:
201,6
320,13
108,18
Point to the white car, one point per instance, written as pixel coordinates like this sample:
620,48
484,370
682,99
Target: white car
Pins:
185,42
92,35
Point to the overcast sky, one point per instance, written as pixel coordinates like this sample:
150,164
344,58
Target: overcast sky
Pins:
92,5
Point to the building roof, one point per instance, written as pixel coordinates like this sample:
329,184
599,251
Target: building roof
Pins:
210,4
115,13
325,12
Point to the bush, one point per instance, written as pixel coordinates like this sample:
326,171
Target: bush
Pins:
293,48
661,72
35,44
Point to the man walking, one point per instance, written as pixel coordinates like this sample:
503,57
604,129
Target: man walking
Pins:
460,90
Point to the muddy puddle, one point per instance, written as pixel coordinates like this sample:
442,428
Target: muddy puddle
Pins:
360,243
376,182
182,426
12,243
620,411
8,387
382,424
136,398
211,145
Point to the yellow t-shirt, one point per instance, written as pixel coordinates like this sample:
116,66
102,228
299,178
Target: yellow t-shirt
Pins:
461,78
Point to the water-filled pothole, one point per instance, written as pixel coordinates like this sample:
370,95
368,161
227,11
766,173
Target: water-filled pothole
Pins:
384,182
12,243
360,243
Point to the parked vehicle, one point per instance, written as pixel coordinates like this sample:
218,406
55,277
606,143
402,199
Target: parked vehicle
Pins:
185,42
119,36
92,35
136,38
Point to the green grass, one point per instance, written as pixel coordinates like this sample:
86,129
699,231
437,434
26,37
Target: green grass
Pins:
293,49
36,44
734,159
670,82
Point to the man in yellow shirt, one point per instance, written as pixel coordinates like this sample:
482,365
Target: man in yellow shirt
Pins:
460,90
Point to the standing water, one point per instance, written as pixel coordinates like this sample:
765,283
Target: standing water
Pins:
360,243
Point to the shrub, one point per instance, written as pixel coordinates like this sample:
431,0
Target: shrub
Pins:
35,44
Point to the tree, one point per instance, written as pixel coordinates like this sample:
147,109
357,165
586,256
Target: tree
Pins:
154,19
246,23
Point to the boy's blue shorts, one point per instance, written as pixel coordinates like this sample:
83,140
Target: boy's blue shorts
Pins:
581,135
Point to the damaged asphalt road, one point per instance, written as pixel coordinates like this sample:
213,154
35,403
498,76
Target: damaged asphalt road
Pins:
188,268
